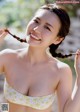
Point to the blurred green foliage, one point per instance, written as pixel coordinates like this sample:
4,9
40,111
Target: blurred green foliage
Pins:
17,13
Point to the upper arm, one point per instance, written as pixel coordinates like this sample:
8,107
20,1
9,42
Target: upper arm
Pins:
3,59
64,89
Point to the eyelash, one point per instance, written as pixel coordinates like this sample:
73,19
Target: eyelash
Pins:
45,26
36,21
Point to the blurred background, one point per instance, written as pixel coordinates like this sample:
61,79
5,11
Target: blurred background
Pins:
15,15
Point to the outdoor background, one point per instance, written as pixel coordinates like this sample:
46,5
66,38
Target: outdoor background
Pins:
15,15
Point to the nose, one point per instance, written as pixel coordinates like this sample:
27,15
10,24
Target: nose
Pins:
37,29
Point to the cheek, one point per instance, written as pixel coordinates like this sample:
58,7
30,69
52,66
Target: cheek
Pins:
29,27
47,35
54,34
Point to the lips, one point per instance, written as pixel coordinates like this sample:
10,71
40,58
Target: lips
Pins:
35,37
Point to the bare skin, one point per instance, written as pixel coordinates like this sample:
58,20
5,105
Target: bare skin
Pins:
33,72
18,69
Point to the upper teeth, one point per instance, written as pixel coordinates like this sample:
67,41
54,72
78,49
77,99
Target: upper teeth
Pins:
35,37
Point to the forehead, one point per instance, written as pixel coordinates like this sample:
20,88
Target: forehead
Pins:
47,16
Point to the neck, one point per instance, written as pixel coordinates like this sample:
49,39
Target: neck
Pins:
36,55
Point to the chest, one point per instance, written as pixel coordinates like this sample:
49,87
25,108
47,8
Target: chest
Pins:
34,80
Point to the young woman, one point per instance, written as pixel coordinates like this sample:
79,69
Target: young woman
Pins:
32,76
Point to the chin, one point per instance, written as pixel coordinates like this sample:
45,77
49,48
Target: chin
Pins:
34,43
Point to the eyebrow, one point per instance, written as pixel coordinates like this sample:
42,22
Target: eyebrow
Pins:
46,23
49,25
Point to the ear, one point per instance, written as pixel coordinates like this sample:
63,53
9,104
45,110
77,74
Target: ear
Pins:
58,40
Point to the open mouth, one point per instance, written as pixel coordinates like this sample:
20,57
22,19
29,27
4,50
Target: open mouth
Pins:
35,38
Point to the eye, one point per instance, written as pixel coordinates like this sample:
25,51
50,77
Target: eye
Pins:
36,21
47,28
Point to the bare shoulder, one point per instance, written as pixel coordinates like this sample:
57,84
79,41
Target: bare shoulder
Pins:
10,52
5,58
7,53
61,69
9,56
64,70
60,66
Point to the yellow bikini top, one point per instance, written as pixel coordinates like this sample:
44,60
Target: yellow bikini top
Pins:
41,102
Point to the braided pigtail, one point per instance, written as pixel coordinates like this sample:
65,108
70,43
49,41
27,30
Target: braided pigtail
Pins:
18,38
52,47
59,55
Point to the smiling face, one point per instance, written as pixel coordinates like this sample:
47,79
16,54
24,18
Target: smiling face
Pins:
43,29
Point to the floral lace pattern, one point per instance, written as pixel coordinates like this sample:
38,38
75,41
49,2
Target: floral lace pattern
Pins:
41,102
